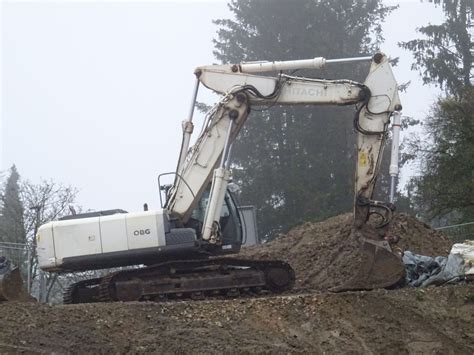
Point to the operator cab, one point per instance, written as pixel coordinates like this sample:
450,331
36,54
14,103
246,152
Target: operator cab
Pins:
230,222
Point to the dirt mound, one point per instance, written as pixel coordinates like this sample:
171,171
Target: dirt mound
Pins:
323,256
406,321
419,237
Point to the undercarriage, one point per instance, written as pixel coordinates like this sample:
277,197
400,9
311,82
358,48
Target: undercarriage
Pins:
195,279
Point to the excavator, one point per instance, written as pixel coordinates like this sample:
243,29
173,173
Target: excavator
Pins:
180,250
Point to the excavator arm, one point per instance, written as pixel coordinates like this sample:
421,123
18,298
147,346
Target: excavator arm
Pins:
223,123
377,98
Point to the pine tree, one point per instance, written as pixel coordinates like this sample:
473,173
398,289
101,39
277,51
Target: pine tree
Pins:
297,164
443,189
12,229
11,220
443,55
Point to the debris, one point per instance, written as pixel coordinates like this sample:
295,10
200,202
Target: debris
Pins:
425,271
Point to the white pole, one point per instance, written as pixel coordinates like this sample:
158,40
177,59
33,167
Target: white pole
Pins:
348,60
28,265
220,181
42,288
188,128
315,63
394,157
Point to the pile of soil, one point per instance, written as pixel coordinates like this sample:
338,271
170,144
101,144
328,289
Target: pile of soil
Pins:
406,321
324,256
418,237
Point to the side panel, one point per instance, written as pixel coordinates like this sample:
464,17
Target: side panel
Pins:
45,246
113,230
143,231
106,241
77,237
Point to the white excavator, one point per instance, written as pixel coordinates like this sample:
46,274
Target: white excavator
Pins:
175,249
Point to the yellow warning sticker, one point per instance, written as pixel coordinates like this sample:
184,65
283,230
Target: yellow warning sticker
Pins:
362,159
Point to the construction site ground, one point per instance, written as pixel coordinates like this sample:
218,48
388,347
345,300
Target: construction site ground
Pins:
435,320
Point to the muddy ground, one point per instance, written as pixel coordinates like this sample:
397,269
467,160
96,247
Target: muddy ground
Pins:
406,321
309,320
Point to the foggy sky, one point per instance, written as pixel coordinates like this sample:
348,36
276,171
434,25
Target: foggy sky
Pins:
93,93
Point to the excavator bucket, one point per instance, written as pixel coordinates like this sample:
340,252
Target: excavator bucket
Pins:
11,287
378,268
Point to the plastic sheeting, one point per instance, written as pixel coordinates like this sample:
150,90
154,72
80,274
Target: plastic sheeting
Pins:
466,250
422,271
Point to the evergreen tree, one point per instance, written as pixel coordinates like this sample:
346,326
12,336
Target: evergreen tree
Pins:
443,56
11,219
297,164
443,190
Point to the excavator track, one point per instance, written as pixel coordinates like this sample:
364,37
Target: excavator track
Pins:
82,292
193,279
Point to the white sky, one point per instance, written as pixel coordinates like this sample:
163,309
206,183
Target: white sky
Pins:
93,93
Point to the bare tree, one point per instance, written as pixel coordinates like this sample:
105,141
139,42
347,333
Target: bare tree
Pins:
44,202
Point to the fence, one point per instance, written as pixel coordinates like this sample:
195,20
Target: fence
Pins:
19,255
459,232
